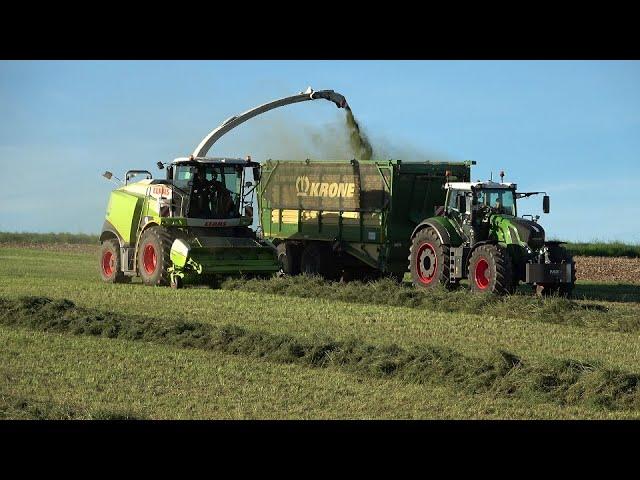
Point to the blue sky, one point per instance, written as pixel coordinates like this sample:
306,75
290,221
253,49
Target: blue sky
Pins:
571,128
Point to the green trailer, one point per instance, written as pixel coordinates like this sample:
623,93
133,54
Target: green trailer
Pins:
349,219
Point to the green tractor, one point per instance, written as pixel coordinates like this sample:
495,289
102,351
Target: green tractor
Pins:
194,226
477,235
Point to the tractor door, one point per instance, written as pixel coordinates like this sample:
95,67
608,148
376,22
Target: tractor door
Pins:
459,211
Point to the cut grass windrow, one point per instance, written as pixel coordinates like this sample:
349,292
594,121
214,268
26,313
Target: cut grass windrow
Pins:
503,374
386,292
22,408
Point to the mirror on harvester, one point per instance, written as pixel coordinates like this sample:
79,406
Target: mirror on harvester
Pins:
160,165
107,175
256,174
545,204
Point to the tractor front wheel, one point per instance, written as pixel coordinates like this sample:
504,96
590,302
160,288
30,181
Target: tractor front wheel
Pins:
153,256
429,260
110,268
491,270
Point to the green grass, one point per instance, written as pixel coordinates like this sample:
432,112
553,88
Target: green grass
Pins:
604,249
551,336
49,238
591,249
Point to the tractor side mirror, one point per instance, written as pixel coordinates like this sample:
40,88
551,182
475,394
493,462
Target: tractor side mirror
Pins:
256,174
160,165
545,204
107,175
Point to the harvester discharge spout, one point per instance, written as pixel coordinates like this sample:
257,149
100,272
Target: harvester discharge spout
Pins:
309,94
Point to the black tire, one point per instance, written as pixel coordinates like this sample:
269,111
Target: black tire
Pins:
491,270
558,254
318,259
110,263
429,260
289,258
153,256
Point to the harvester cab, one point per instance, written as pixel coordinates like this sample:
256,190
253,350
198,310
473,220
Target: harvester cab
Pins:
479,236
195,224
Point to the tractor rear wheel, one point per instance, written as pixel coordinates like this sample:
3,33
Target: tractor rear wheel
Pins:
289,258
110,267
491,270
153,256
318,259
429,260
558,254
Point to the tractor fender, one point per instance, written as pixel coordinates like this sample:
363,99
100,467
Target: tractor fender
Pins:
109,231
443,233
479,244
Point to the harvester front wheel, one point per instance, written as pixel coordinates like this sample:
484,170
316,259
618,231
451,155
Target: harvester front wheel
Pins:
491,270
429,260
110,268
153,256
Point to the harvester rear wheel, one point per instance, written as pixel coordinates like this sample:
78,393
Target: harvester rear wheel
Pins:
289,258
318,259
429,260
154,256
491,270
558,254
110,268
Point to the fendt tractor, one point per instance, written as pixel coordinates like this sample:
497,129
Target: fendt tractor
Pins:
193,226
478,235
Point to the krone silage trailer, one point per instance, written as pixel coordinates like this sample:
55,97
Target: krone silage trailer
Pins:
349,219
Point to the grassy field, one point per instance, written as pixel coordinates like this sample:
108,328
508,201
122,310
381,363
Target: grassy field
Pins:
302,348
588,249
604,249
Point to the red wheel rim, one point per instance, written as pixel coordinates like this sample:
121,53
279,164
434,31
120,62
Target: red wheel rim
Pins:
426,263
108,263
480,274
149,260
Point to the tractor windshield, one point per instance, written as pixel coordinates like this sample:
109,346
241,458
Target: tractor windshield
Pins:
501,200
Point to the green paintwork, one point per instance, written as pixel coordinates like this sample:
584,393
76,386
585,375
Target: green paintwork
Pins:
131,209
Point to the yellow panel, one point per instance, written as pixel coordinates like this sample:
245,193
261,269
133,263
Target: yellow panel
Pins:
330,218
289,216
309,215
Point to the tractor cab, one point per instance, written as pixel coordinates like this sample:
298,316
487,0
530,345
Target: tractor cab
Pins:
470,206
211,188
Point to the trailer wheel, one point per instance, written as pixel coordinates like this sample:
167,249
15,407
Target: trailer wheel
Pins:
429,260
153,256
558,254
289,258
110,267
318,259
491,270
